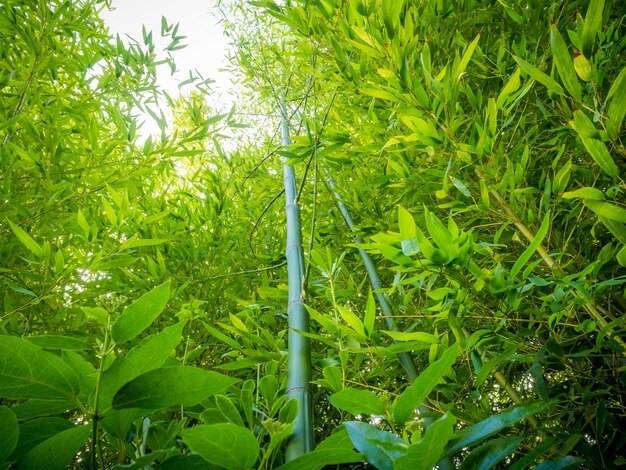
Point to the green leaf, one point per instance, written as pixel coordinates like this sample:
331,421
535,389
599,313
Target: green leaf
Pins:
617,108
352,319
425,453
491,425
380,448
37,430
224,444
606,209
564,64
58,342
413,336
601,156
140,314
413,396
369,320
27,240
356,402
584,193
564,463
34,408
320,458
406,224
228,409
10,432
530,250
621,256
169,386
490,454
28,372
185,462
58,451
538,75
466,57
593,24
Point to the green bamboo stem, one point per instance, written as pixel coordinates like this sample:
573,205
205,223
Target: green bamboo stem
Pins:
299,360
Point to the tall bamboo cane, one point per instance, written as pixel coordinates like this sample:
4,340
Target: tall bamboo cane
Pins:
299,361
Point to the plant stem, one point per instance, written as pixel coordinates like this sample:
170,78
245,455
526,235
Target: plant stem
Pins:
104,351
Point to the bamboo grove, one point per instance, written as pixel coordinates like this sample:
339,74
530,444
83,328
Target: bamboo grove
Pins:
455,212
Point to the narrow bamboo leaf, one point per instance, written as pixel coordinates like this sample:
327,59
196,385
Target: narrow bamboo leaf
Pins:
413,396
377,93
58,342
352,319
486,369
134,243
357,402
10,432
140,314
538,75
530,250
489,426
617,108
466,57
28,372
369,319
27,240
584,193
606,209
564,64
511,87
597,149
425,453
58,451
224,444
564,463
35,431
458,184
490,454
406,224
380,448
413,336
168,386
593,24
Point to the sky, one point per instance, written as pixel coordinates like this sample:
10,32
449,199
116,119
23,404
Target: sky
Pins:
206,44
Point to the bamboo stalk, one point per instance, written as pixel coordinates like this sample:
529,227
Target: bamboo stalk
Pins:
299,360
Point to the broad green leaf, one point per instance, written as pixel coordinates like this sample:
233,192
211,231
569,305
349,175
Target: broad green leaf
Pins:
37,430
491,453
530,250
584,193
58,451
185,462
352,319
228,409
425,453
597,149
593,24
357,401
564,64
538,75
42,407
169,386
406,224
564,463
29,372
58,342
140,314
491,425
380,448
10,432
27,240
606,209
621,256
151,353
224,444
320,458
413,396
413,336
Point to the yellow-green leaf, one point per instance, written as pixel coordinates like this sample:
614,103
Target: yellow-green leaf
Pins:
538,75
606,209
601,156
564,64
27,240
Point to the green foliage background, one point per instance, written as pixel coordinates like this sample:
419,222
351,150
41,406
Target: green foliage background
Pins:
479,148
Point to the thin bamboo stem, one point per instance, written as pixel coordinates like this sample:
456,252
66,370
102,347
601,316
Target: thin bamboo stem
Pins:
299,360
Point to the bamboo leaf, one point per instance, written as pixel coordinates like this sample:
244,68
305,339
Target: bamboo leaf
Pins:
27,240
425,453
357,401
584,193
169,386
601,156
564,64
224,444
380,448
413,396
140,314
538,75
491,453
413,336
606,209
617,108
592,25
352,319
369,320
466,57
530,250
564,463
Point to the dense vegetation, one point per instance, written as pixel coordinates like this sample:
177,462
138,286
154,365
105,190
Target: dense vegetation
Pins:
476,149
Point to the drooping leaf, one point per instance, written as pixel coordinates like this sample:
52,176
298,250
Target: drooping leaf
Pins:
606,209
169,386
380,448
29,372
538,75
140,314
37,430
57,451
10,432
564,64
58,342
224,444
357,401
27,240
